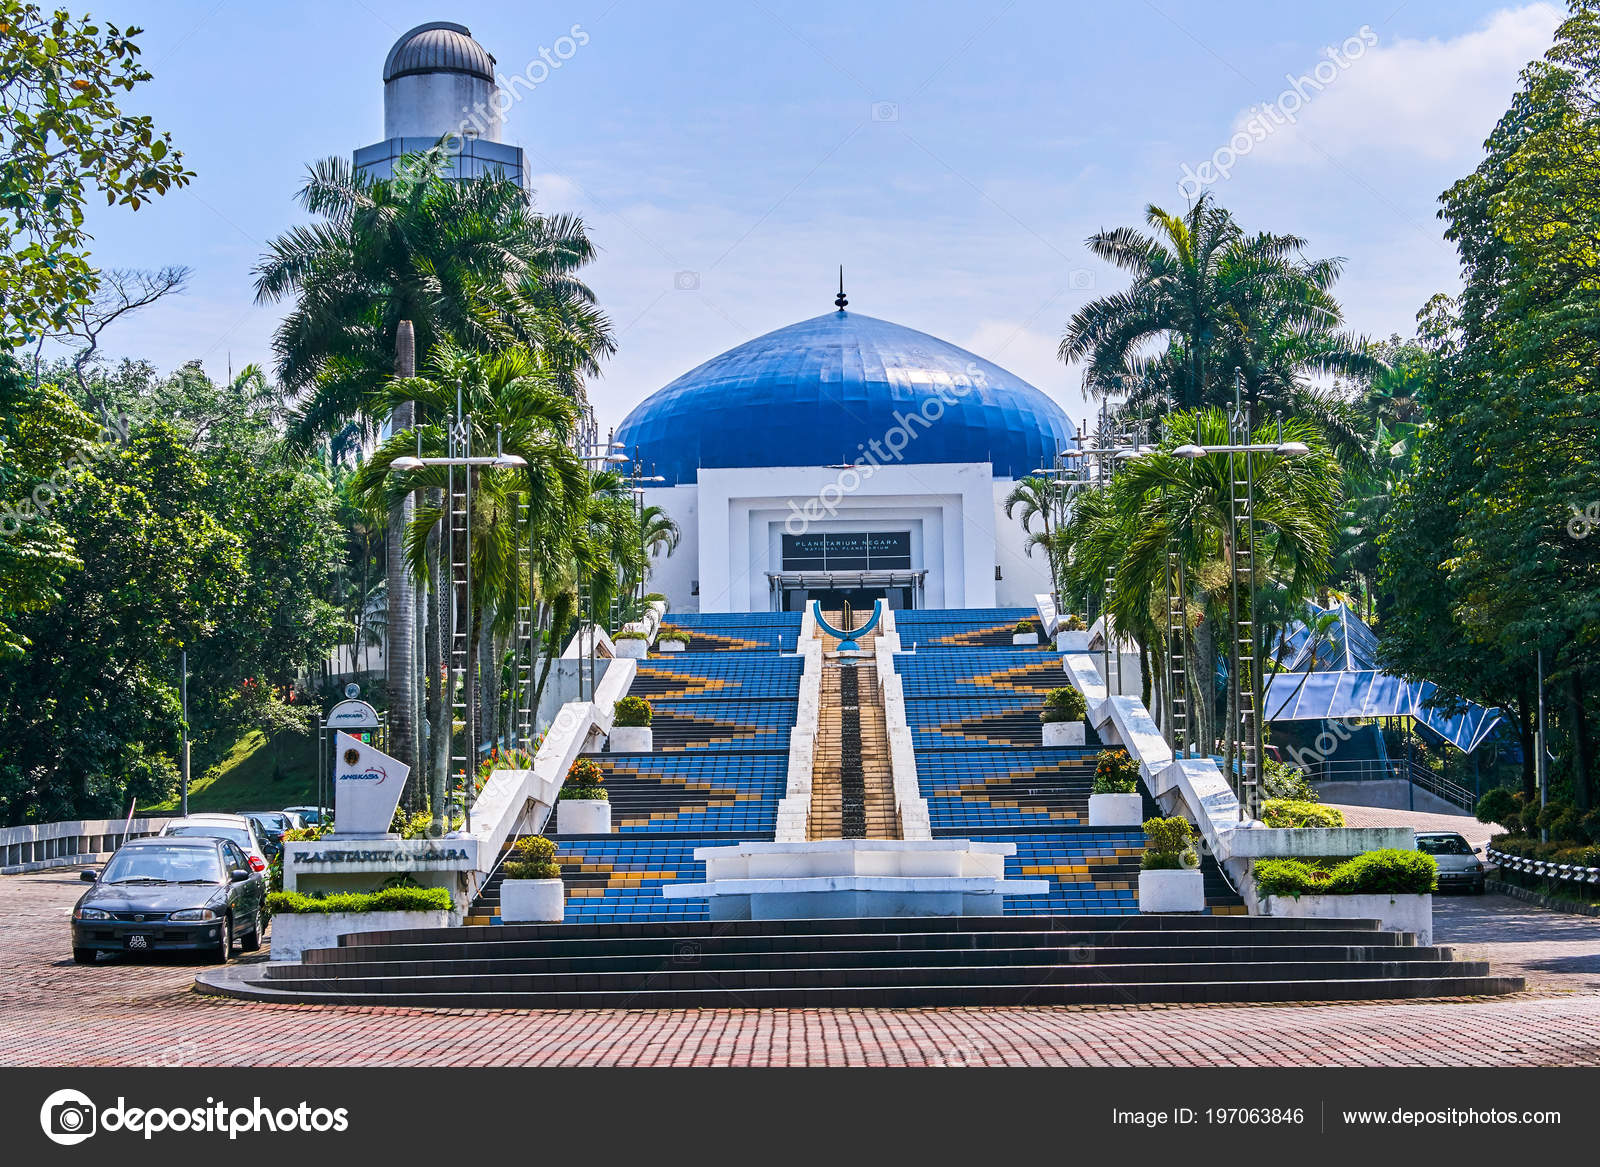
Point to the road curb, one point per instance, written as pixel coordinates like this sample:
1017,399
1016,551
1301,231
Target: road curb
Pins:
1552,903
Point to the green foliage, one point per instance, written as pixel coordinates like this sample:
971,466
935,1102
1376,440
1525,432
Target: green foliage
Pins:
1169,844
62,136
1526,847
390,899
1115,772
535,858
630,634
1064,705
1284,812
1281,780
1386,872
632,712
1027,628
585,780
1074,623
672,633
1496,806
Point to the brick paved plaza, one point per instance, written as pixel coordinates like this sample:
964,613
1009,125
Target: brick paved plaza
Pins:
55,1013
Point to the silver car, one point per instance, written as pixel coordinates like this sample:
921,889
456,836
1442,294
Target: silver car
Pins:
1459,865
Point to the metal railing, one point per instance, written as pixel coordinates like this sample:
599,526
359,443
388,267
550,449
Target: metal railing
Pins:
1545,869
37,846
1374,770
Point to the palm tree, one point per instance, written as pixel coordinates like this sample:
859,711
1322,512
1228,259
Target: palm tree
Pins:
1036,498
510,398
470,262
1161,501
1216,300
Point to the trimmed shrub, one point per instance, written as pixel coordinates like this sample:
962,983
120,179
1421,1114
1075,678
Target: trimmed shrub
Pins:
1064,705
630,634
1387,872
1529,819
632,712
672,633
1391,872
390,899
533,857
1590,824
1288,877
1567,827
1169,843
1288,812
1281,780
654,598
1074,623
1496,806
1115,772
1025,627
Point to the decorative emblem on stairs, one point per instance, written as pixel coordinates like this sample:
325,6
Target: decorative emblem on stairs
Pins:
847,640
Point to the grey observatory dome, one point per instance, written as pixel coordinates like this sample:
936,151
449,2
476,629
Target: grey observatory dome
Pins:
438,47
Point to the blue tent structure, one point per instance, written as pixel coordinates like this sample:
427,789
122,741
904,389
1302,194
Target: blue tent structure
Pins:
1335,675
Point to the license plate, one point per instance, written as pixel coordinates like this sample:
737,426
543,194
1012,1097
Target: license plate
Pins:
138,942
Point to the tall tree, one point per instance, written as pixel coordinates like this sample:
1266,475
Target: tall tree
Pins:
63,136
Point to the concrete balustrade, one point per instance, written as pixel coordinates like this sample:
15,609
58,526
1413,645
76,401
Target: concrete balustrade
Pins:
40,846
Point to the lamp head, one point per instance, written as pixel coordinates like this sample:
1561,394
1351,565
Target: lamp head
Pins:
1189,450
405,463
1293,449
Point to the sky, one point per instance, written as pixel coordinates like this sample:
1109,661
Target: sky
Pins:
727,157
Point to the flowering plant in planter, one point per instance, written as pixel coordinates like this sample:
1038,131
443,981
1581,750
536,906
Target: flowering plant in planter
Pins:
671,634
1115,772
1064,705
1074,623
585,780
1026,628
630,634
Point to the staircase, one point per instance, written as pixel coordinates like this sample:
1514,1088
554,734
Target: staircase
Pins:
892,963
852,788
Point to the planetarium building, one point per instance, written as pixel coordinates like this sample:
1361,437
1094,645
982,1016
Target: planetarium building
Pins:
845,458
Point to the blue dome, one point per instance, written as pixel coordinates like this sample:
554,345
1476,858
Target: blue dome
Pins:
818,392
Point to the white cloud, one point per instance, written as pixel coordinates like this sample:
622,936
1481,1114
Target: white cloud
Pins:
1031,355
1432,99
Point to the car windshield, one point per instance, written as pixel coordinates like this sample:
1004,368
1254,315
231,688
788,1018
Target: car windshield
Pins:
1443,845
214,831
271,822
164,865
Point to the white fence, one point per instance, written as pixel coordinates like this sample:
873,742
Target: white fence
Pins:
1544,869
41,845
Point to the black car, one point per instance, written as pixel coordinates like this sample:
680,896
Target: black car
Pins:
171,893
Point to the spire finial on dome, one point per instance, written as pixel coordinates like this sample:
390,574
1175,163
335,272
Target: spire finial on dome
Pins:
839,300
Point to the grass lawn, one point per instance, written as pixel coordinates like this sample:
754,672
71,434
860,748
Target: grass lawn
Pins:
256,776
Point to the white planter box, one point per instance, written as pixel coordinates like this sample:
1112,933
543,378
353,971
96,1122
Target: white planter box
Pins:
533,901
1025,638
632,649
1396,913
583,816
293,933
631,739
1072,641
1062,733
1116,810
1172,891
672,645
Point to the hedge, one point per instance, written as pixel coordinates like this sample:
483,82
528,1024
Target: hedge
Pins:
1288,812
390,899
632,712
1387,872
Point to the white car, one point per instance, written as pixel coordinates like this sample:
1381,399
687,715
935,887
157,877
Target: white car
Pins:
233,827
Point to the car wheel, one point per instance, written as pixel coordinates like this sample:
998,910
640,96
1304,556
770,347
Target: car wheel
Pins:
225,943
1478,888
84,955
251,941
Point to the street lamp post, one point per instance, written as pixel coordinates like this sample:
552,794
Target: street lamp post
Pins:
461,669
1245,699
